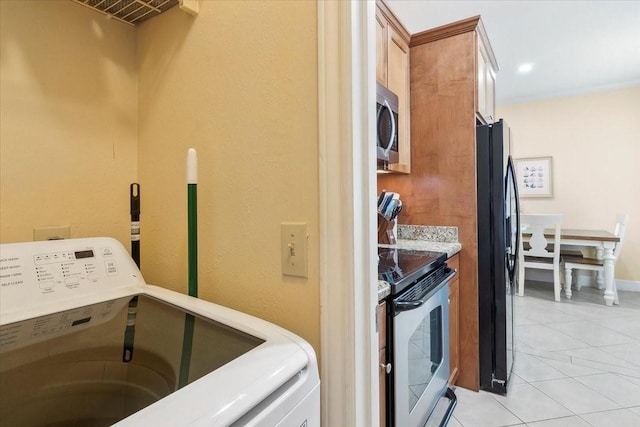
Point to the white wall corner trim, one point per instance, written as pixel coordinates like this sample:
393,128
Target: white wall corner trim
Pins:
348,239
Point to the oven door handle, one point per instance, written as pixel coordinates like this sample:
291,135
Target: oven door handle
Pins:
452,404
400,306
408,305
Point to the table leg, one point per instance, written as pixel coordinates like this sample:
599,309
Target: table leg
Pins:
599,275
599,280
567,283
609,274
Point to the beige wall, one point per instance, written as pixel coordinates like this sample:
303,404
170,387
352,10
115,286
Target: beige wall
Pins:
90,105
238,83
594,140
68,100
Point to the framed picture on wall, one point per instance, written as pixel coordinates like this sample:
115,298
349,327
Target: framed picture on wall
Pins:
535,177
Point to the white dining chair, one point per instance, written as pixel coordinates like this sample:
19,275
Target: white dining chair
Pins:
540,253
569,262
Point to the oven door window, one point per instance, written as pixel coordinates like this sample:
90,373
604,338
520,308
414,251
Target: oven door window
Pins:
425,354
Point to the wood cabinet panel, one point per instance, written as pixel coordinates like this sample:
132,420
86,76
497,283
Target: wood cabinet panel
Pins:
443,168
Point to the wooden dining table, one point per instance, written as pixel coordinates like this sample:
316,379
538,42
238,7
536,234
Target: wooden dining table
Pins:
603,241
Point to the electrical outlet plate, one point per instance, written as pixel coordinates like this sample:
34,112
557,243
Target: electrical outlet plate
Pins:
53,232
294,248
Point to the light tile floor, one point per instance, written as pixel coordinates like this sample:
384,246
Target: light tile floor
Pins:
577,365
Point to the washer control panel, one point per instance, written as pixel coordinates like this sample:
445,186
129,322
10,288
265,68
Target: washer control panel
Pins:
44,277
73,268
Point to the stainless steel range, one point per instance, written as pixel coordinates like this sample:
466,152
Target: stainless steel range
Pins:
418,335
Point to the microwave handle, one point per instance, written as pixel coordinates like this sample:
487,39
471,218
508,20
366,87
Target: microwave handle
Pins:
393,128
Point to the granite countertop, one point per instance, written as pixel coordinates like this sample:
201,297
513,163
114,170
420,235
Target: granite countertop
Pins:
384,289
423,245
423,238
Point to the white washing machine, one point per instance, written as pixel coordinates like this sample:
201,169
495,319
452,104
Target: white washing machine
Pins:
84,341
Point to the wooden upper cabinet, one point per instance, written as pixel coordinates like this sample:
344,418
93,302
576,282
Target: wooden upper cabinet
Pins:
398,83
486,65
486,78
392,71
381,47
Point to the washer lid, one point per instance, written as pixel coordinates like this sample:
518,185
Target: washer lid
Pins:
189,362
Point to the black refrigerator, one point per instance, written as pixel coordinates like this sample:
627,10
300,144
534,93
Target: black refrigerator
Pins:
498,241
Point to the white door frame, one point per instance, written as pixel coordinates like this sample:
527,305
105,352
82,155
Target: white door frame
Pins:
348,222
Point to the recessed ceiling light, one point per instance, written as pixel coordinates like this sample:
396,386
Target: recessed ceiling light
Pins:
525,68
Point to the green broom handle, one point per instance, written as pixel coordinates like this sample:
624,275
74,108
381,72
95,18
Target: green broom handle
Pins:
192,215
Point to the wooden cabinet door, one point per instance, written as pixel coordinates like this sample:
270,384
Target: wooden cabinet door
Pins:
490,81
481,84
486,83
381,48
398,83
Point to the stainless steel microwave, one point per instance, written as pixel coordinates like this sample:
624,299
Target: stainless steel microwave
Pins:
386,125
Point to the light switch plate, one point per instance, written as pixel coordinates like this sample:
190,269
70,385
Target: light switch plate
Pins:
53,232
294,248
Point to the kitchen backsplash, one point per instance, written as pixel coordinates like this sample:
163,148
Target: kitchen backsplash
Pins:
428,232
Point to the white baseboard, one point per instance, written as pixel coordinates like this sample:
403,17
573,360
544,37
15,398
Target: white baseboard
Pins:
628,285
585,278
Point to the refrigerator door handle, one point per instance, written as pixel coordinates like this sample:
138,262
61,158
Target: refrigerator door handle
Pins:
513,267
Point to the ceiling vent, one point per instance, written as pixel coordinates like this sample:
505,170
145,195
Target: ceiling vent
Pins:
130,11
